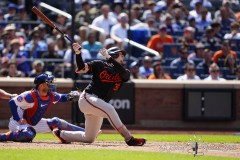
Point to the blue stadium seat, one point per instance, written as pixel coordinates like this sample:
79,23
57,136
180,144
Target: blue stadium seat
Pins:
171,50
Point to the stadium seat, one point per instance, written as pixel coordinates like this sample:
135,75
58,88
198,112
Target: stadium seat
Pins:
171,50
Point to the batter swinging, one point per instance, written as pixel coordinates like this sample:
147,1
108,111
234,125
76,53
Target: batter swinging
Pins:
106,80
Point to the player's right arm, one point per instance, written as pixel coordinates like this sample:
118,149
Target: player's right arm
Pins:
24,101
81,66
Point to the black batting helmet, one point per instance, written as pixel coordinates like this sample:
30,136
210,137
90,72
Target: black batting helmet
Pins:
113,52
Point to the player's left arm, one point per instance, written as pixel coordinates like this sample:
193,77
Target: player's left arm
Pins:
72,96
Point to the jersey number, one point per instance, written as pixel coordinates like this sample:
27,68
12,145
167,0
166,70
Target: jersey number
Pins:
117,85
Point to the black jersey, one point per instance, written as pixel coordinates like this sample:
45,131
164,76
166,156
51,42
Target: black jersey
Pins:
107,78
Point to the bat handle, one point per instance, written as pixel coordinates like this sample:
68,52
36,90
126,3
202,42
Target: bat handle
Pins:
65,36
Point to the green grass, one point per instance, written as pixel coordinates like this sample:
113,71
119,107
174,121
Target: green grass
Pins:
17,154
163,137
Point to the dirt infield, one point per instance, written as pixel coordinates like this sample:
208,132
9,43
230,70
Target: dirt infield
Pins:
216,149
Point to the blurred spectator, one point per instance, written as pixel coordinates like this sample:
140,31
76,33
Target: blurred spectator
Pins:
134,71
91,44
230,62
207,61
135,14
60,46
188,37
117,8
157,41
206,3
105,21
214,73
226,4
158,13
86,15
147,13
83,32
167,20
216,29
182,60
202,23
38,68
209,40
190,73
223,53
4,42
36,47
12,70
192,23
21,14
12,11
11,29
225,21
196,12
198,52
179,22
148,25
146,69
119,30
68,31
19,57
234,34
43,32
158,72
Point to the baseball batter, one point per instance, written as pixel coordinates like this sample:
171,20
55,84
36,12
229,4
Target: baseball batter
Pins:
106,80
29,107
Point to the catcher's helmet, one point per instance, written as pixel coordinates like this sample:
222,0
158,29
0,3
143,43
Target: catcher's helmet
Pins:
43,78
113,52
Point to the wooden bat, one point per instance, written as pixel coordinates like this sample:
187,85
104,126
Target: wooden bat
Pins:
49,22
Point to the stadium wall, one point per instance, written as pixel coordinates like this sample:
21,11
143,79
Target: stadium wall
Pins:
158,103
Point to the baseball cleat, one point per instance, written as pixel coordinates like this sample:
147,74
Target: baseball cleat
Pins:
56,132
136,141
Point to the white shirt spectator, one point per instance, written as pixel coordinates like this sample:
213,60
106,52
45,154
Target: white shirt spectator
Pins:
104,23
185,77
209,78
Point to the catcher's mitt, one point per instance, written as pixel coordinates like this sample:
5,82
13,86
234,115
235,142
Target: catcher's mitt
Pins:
73,96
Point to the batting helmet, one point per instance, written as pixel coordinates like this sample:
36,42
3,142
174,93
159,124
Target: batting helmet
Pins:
43,78
114,52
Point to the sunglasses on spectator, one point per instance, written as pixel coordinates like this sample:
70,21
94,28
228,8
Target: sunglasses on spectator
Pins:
214,71
191,69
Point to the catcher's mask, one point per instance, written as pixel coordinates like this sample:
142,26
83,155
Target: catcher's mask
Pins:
45,78
114,52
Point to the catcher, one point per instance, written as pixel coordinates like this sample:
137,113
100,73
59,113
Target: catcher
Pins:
29,107
106,80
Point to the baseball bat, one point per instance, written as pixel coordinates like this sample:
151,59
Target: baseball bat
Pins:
49,22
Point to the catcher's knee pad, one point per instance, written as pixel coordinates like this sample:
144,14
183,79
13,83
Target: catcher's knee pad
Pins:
26,135
54,122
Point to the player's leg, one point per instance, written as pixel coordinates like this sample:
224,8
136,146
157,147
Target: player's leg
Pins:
92,127
62,125
24,135
106,110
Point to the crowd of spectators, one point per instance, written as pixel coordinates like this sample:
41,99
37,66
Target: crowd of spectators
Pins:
195,39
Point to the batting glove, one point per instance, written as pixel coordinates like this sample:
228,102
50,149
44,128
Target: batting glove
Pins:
77,48
104,53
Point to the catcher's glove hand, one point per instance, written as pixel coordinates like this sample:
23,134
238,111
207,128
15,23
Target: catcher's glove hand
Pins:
73,96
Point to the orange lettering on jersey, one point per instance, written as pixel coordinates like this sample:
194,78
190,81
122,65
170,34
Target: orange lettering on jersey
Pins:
106,77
